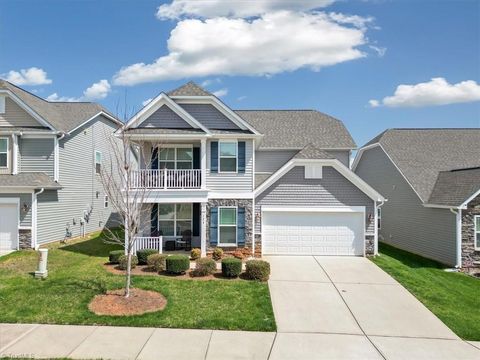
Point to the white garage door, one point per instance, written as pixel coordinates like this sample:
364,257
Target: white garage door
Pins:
312,233
8,227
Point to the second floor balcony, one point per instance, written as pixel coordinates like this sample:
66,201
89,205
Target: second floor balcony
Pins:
167,179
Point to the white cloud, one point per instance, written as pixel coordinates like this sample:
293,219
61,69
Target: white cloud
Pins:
96,91
379,50
31,76
435,92
220,92
241,98
146,102
209,82
240,9
274,43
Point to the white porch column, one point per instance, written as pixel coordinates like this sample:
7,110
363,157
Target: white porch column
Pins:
203,229
15,154
203,162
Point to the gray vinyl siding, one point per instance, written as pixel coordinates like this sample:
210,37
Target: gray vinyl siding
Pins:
232,182
406,223
80,184
271,161
342,155
25,199
209,116
333,189
36,155
16,116
165,117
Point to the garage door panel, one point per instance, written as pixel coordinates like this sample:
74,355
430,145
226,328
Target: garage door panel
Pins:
313,233
8,227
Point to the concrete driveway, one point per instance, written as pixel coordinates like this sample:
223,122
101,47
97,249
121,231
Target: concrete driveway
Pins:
347,307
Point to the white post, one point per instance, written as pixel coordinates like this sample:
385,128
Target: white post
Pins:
15,154
56,159
203,162
203,229
42,271
375,236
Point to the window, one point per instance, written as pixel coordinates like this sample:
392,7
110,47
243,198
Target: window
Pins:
3,152
2,104
227,226
98,162
477,232
313,171
176,158
105,201
174,219
228,156
379,218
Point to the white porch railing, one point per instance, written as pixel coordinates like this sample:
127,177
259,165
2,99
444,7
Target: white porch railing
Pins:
166,179
148,242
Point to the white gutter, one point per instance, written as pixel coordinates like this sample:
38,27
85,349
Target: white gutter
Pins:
375,244
34,217
458,234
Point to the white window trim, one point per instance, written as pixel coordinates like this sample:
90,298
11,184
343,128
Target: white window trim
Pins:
236,226
8,152
227,157
475,232
174,218
95,160
106,201
175,160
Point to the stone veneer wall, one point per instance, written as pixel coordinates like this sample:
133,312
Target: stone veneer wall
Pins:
248,205
470,257
369,244
25,238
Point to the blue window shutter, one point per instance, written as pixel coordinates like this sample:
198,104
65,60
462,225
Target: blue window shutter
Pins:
213,226
196,158
214,156
241,156
196,219
241,226
154,164
154,221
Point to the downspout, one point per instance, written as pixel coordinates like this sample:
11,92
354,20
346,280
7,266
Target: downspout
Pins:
375,245
34,218
458,234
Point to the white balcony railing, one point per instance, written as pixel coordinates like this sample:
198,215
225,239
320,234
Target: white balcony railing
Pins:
148,242
166,179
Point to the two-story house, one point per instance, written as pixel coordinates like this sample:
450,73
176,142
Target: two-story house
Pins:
50,156
259,181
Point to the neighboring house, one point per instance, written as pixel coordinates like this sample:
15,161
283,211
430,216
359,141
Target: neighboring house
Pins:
49,152
431,178
256,181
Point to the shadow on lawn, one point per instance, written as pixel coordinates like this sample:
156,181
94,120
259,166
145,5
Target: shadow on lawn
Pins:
409,259
96,246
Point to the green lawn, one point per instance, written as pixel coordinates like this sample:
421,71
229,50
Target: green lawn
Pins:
76,275
453,297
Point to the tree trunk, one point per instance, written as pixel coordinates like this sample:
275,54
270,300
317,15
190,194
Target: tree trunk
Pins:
129,274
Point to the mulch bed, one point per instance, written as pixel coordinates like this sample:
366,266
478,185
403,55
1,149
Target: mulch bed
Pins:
114,303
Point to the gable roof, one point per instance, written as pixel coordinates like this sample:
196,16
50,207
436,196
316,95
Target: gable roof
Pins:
294,129
454,187
62,116
311,152
421,154
189,89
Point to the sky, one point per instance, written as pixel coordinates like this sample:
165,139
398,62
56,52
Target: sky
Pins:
374,64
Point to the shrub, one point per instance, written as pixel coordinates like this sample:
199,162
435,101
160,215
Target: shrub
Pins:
114,256
195,254
178,264
238,254
204,267
217,254
157,262
257,270
144,254
231,267
122,262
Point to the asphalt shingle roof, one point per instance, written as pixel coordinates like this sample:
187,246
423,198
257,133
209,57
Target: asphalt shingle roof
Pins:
311,152
63,116
297,128
189,89
35,180
452,188
421,154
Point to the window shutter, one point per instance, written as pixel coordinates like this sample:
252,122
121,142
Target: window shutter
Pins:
241,226
196,158
213,226
154,221
196,219
154,164
214,156
241,156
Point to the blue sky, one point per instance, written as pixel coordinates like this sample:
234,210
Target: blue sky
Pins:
337,64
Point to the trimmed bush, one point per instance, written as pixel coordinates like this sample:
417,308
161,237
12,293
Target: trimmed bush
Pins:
144,254
157,262
257,270
204,267
178,264
123,260
114,256
231,267
238,254
195,254
217,254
